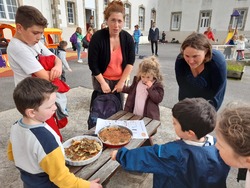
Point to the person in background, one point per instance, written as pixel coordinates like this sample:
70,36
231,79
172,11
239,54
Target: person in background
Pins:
3,44
201,71
79,44
111,53
33,146
240,47
89,34
228,49
163,37
153,37
61,53
91,22
209,34
103,26
192,161
232,133
25,47
136,36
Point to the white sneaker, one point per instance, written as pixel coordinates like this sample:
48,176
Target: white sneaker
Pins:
79,61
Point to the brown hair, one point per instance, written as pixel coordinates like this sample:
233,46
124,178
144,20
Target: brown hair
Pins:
150,65
79,30
195,114
90,29
198,41
29,16
63,43
114,6
234,127
31,92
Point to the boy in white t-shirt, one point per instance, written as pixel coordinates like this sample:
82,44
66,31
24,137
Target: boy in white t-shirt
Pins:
25,46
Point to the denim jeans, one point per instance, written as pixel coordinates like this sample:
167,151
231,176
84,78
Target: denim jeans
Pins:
79,49
136,47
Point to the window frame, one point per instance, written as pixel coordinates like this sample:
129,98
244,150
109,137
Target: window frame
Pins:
8,15
173,15
71,15
242,18
141,18
127,16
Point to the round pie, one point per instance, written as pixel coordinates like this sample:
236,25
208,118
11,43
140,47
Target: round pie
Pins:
115,135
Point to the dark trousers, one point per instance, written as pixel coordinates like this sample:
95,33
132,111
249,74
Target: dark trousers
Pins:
156,47
63,77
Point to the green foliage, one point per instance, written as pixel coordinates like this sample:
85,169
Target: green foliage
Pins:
235,66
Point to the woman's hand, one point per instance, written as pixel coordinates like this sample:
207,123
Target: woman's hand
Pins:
105,87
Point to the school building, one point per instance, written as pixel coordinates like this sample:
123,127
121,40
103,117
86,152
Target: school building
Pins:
178,18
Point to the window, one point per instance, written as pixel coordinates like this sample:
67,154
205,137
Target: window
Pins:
239,20
127,15
8,9
105,3
175,21
71,12
141,17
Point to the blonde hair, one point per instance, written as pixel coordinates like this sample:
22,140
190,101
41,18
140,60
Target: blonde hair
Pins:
151,66
234,127
241,37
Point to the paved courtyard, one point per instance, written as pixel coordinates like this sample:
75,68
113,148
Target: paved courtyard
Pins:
78,100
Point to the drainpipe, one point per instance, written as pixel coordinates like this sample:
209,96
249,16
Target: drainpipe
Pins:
55,13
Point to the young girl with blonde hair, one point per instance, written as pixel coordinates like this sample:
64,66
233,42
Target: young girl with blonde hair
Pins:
233,140
146,91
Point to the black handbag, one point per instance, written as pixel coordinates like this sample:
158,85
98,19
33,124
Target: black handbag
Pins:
85,43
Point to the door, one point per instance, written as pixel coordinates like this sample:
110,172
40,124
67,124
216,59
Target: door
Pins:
205,17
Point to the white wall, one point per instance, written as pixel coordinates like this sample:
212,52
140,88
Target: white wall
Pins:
221,12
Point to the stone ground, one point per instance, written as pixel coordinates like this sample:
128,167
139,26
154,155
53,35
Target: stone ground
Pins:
78,104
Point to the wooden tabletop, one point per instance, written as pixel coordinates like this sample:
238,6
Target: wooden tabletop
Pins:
104,167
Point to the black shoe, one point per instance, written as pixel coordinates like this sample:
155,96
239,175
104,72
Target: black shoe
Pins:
156,55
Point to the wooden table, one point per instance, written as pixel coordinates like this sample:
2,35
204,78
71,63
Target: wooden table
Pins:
104,167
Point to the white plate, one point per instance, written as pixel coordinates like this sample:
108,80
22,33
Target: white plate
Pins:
67,144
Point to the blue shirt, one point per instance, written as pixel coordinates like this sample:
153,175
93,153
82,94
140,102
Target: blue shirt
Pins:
177,165
136,35
210,84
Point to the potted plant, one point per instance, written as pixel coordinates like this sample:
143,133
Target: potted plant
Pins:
235,69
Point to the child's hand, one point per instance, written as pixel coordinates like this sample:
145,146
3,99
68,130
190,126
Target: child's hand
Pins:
149,83
95,184
70,70
113,154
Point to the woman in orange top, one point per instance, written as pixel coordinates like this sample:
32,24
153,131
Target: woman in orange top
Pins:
89,34
111,52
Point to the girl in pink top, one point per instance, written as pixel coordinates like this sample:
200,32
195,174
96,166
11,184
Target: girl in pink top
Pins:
146,91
